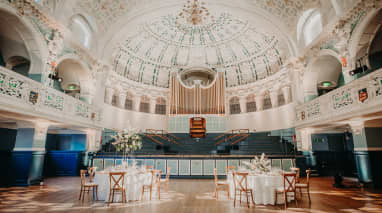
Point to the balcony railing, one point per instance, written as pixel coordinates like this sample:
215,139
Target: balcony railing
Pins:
354,98
26,95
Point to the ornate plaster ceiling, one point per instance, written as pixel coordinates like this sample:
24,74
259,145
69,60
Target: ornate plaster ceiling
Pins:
108,12
244,52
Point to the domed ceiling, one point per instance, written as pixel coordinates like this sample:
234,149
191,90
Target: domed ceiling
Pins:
231,45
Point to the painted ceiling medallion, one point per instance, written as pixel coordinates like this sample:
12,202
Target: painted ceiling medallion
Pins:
194,12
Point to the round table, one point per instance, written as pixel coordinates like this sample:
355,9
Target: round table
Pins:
263,187
134,181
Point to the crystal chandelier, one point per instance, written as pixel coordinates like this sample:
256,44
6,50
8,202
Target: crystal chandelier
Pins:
194,12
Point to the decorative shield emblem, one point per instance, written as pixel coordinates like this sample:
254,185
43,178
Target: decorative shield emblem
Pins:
363,95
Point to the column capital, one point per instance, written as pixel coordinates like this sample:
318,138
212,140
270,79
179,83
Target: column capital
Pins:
357,127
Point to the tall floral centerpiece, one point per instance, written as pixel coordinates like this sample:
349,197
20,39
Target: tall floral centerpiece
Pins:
259,165
127,141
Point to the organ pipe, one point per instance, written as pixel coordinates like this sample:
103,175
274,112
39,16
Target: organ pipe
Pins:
197,99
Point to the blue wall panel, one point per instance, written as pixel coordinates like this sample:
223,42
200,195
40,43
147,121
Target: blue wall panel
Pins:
63,163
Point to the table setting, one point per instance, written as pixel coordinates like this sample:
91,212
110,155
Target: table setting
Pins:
262,179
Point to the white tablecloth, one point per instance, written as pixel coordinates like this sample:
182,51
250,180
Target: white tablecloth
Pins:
263,187
133,184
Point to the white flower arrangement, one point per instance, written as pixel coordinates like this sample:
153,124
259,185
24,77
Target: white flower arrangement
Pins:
127,141
259,165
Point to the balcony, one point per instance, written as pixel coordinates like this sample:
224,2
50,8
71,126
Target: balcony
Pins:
20,94
359,98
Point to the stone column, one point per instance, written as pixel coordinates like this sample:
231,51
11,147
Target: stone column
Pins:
259,102
109,92
29,153
136,103
243,104
362,152
286,94
274,95
93,144
121,99
153,103
304,144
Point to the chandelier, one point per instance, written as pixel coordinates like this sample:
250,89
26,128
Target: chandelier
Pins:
194,12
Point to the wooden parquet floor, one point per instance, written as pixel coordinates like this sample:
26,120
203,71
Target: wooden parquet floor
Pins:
193,196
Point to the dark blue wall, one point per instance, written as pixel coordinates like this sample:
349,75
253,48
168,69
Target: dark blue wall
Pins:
2,62
7,139
67,142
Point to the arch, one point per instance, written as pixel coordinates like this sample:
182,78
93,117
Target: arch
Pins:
364,31
234,105
324,68
81,30
144,105
18,64
29,44
160,106
251,103
267,101
76,76
129,101
309,26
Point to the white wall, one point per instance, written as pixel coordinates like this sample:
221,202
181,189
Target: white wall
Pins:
114,117
273,119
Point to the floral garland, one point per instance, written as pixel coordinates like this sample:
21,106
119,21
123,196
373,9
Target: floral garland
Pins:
262,164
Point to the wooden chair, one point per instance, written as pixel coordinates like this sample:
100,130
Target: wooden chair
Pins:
289,185
240,184
155,183
87,187
301,186
297,171
91,172
229,169
220,185
167,179
117,184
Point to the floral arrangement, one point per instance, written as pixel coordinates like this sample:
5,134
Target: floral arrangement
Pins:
262,164
127,141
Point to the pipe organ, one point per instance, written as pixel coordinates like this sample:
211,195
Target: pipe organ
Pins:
197,94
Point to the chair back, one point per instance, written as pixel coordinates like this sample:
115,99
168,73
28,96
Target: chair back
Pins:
307,176
297,171
230,168
91,172
216,175
83,176
289,182
148,167
240,181
168,173
117,180
155,177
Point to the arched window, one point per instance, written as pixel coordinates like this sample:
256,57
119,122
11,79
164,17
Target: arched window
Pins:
251,103
302,20
129,102
309,26
144,106
281,100
234,105
114,100
267,102
160,107
312,27
81,30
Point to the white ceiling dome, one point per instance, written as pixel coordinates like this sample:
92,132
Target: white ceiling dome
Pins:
244,51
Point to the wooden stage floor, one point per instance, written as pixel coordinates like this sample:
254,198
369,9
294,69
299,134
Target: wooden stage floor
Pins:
61,194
